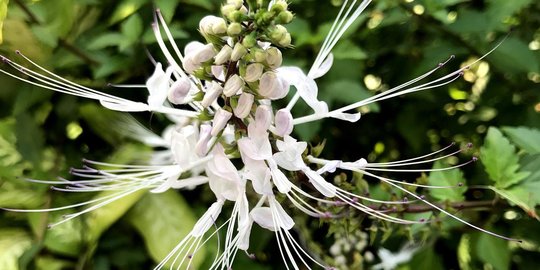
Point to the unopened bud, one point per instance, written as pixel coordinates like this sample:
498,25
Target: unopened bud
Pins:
205,53
237,15
224,55
249,40
245,102
233,85
277,33
263,118
274,57
202,144
179,90
284,17
283,122
279,6
253,72
213,25
227,9
272,87
221,118
259,55
236,3
212,93
238,52
285,41
234,29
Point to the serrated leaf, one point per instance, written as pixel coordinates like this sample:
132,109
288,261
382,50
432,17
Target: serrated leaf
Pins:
452,178
500,160
494,251
526,138
520,197
164,220
3,13
13,243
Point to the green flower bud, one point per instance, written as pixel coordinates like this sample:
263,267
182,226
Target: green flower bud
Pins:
284,17
258,54
285,41
277,32
226,10
250,40
274,57
234,29
279,6
238,52
237,16
236,3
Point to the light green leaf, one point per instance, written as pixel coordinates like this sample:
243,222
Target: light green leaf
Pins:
520,197
167,8
494,251
3,13
426,258
66,239
51,263
452,177
99,220
164,220
500,160
125,9
131,29
526,138
13,243
105,40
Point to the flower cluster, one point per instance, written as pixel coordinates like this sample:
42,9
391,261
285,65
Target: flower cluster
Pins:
228,133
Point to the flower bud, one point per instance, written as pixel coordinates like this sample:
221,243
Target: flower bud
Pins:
283,122
223,55
221,118
272,87
245,102
213,25
253,72
234,29
217,72
205,53
238,52
284,17
237,15
285,41
249,40
258,54
212,93
263,117
274,57
201,147
227,9
279,6
236,3
233,85
277,33
179,90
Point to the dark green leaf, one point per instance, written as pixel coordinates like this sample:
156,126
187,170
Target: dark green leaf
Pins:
494,251
29,139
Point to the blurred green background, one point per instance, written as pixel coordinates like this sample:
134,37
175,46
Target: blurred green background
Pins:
495,105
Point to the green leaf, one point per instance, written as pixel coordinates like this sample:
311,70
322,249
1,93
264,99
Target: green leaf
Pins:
452,177
348,50
105,40
345,92
3,13
494,251
500,160
51,263
29,139
526,138
515,56
167,8
66,239
131,29
500,10
125,9
426,259
164,220
99,220
13,243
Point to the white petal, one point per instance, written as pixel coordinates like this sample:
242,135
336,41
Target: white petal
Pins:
325,188
207,220
283,219
263,217
129,106
351,117
280,180
324,67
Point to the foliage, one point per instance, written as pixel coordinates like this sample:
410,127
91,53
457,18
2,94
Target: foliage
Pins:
494,106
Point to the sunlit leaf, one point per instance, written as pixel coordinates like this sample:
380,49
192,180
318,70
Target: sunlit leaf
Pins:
451,178
13,243
3,13
163,220
524,137
494,251
500,159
